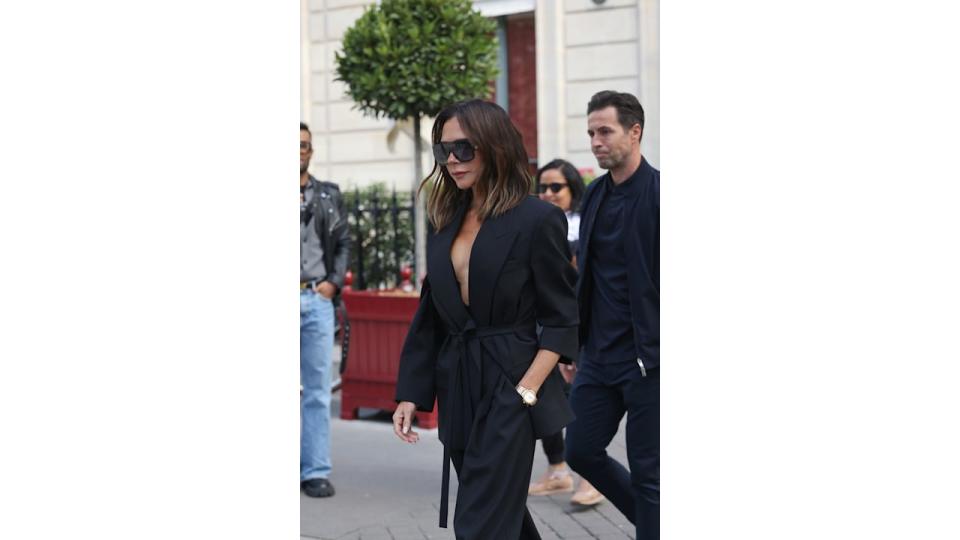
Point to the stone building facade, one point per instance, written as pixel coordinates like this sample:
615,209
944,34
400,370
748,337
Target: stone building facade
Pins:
554,55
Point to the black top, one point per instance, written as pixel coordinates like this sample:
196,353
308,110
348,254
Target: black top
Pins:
639,240
610,336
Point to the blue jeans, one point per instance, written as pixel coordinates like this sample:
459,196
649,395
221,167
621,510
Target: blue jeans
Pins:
316,364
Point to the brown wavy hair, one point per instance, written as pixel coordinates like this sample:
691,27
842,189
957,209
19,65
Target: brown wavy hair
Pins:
505,181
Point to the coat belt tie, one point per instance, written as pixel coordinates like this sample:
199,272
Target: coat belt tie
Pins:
459,413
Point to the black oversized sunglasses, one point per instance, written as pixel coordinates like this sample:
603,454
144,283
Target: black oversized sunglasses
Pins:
554,187
462,149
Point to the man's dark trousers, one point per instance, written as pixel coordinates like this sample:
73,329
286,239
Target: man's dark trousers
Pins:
600,398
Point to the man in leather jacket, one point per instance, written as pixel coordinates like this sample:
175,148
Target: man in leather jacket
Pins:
324,249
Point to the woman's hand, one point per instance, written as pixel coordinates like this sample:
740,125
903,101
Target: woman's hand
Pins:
568,371
541,366
402,419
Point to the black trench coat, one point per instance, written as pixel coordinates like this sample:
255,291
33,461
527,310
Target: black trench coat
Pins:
471,358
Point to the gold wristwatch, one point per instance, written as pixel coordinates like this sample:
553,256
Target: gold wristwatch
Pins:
529,396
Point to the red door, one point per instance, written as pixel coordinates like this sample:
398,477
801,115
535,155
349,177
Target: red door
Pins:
521,65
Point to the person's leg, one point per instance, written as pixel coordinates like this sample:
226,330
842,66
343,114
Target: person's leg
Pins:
553,445
642,397
553,448
598,409
316,359
586,494
557,478
493,471
528,531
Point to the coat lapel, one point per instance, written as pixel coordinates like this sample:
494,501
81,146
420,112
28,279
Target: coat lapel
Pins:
589,219
442,278
490,250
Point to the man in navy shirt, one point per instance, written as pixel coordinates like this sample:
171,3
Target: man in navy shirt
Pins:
619,294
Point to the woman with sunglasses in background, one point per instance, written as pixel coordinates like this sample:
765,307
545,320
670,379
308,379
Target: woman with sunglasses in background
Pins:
560,183
497,268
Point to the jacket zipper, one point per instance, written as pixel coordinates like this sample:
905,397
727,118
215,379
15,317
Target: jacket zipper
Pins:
643,370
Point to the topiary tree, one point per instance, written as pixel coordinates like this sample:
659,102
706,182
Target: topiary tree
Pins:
405,59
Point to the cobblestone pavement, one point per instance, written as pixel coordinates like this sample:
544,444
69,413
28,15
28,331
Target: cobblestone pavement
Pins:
389,490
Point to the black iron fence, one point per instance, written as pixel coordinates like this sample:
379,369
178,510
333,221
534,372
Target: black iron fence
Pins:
381,231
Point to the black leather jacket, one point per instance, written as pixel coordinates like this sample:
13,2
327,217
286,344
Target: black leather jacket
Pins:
330,219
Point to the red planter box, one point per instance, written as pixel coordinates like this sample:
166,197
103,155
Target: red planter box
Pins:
378,325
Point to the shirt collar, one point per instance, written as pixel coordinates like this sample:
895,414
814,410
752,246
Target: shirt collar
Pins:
630,185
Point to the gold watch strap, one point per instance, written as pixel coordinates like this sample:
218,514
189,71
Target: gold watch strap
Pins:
522,390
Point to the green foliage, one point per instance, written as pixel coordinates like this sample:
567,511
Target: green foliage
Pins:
408,58
588,175
377,249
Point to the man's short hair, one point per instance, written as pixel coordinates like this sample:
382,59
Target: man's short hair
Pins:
629,111
303,127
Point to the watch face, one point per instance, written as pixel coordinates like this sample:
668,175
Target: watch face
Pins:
529,398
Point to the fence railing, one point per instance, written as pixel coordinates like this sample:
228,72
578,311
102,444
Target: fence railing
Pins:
381,231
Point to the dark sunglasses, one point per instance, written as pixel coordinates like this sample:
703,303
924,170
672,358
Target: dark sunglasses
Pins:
462,149
304,145
554,187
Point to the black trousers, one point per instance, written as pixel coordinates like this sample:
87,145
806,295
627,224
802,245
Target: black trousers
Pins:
553,448
599,406
474,517
494,469
553,445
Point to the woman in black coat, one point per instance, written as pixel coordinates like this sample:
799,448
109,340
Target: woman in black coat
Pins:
497,268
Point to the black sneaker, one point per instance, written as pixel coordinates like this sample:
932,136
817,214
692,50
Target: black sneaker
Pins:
317,487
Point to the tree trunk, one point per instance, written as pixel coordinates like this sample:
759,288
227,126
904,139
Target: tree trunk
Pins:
420,223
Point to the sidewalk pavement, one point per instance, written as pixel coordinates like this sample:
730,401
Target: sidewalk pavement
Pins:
390,490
